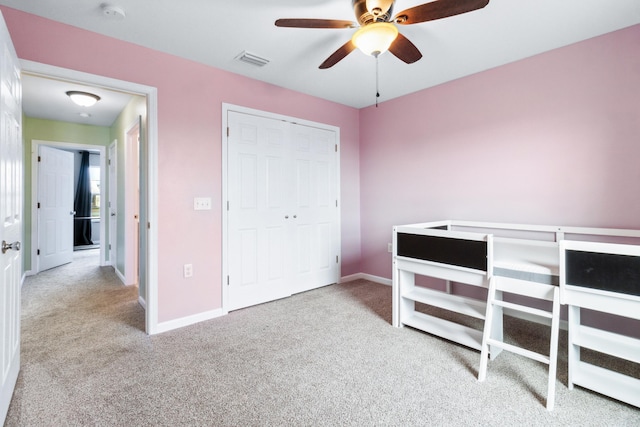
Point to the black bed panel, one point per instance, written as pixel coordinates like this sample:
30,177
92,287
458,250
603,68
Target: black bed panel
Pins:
460,252
608,272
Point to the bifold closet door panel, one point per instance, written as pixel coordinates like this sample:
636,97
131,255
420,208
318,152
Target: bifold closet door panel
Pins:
258,233
315,207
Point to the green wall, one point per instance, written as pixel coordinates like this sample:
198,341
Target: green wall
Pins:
50,130
135,109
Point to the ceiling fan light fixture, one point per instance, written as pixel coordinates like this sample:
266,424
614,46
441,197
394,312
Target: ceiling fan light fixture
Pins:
375,38
84,99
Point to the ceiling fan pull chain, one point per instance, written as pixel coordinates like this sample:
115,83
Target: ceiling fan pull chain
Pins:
377,83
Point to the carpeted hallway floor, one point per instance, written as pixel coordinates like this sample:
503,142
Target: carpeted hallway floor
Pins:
325,357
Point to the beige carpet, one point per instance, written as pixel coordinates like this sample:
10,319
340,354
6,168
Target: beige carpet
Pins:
326,357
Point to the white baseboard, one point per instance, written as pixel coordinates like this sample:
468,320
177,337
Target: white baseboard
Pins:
120,275
187,321
364,276
142,302
212,314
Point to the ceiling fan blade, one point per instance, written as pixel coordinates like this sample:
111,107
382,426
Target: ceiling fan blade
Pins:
314,23
338,55
404,50
437,10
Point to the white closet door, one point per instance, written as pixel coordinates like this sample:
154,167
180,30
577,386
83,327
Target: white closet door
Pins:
282,213
257,224
314,206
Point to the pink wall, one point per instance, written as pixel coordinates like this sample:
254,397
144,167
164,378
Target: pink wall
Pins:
190,97
553,139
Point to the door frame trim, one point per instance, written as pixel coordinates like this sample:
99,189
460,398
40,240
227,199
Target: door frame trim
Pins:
226,108
35,174
151,94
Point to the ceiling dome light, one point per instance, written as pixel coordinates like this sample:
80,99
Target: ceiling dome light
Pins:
84,99
375,38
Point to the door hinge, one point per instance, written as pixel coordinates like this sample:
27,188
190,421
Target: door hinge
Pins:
227,280
336,148
38,252
38,205
336,259
227,205
109,246
148,226
227,131
336,203
39,158
109,162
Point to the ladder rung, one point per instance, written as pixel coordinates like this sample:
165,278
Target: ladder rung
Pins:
518,350
523,308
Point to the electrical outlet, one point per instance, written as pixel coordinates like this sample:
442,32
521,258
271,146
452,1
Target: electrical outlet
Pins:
202,203
187,270
389,247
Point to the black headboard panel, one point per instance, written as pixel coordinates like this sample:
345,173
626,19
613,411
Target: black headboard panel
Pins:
608,272
445,250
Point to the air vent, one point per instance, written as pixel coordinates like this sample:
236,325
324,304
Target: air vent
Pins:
252,59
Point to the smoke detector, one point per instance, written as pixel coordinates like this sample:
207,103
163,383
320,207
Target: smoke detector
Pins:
114,12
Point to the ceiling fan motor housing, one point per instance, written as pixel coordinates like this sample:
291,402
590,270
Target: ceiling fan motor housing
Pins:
376,14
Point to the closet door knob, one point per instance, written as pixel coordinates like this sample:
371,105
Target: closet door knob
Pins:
286,217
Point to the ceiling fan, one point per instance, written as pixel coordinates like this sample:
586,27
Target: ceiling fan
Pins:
378,32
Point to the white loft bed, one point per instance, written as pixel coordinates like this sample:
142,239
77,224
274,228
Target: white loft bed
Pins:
514,258
606,278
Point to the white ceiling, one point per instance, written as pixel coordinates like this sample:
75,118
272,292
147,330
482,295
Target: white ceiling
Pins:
45,98
215,32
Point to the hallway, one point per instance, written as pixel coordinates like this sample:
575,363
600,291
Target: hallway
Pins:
73,319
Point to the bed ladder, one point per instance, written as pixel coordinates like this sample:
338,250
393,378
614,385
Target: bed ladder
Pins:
540,291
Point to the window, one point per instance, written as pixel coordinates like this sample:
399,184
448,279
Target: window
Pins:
94,177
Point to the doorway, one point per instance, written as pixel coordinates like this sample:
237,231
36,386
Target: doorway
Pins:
48,249
149,248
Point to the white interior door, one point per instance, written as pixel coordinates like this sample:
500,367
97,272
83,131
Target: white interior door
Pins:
132,205
55,207
143,213
113,202
282,219
11,211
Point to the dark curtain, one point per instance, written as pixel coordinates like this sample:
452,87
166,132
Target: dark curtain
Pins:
82,205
